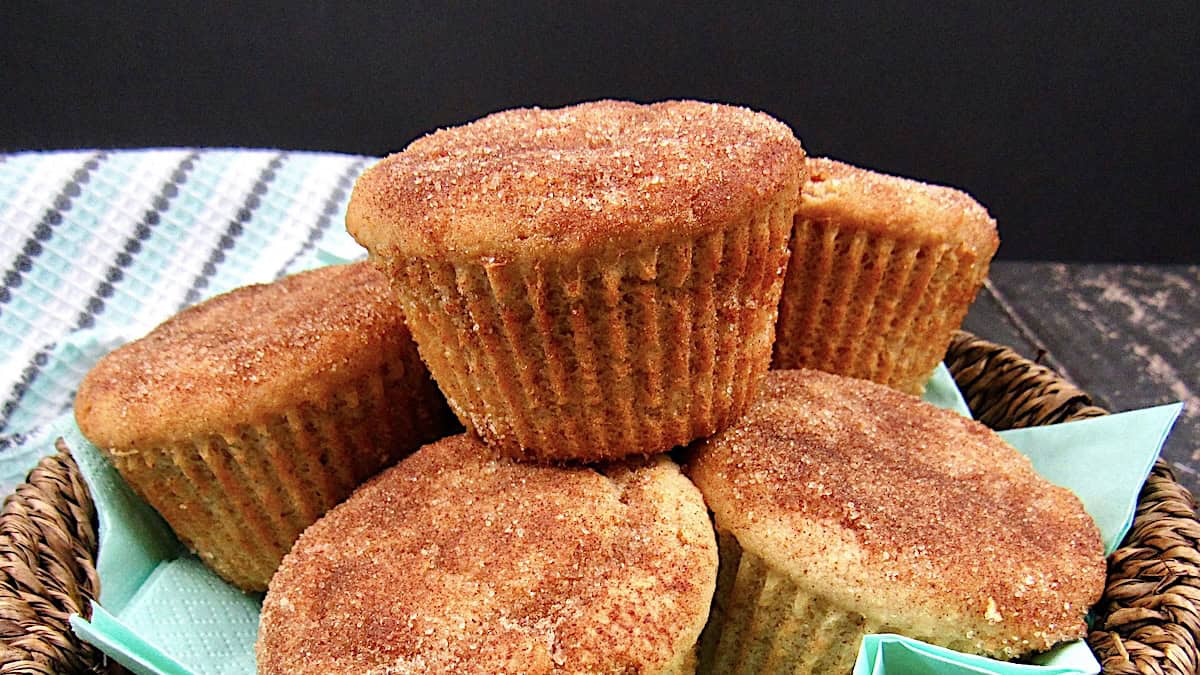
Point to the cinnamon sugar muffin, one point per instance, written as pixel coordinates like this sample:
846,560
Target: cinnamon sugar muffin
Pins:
883,270
455,561
244,418
590,282
846,508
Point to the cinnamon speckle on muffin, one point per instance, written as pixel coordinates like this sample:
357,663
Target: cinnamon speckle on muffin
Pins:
458,561
600,172
912,518
593,282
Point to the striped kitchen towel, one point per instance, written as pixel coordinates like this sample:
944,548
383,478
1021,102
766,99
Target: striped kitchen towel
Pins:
99,247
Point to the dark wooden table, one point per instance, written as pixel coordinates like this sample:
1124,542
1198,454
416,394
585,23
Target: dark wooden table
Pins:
1129,335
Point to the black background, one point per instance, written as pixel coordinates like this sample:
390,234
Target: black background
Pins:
1076,126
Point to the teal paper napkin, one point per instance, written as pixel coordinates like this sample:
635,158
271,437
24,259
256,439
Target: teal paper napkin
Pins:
162,611
941,391
897,655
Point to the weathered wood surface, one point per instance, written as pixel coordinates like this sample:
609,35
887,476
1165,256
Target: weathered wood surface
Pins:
1129,335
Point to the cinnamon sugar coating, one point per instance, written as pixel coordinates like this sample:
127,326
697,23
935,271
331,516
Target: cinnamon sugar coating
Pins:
532,181
593,282
455,561
923,522
244,356
241,420
899,208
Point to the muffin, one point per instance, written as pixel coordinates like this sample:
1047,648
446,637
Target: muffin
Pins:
845,508
882,272
460,561
590,282
244,418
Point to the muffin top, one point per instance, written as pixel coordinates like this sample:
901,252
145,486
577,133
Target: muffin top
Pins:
895,207
533,182
919,519
238,357
454,561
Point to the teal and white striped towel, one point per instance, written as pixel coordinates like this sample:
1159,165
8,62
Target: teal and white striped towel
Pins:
99,247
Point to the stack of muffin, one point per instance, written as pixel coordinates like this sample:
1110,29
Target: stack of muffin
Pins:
590,288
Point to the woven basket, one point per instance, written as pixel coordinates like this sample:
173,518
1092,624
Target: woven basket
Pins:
1147,622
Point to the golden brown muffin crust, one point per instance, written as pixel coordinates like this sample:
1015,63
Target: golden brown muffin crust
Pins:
895,207
456,562
915,516
526,181
241,356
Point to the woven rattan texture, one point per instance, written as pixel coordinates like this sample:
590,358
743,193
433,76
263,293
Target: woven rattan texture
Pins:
1148,621
47,571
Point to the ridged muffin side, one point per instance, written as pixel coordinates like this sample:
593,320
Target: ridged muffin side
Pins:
591,282
883,269
244,418
240,497
846,508
762,622
604,355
